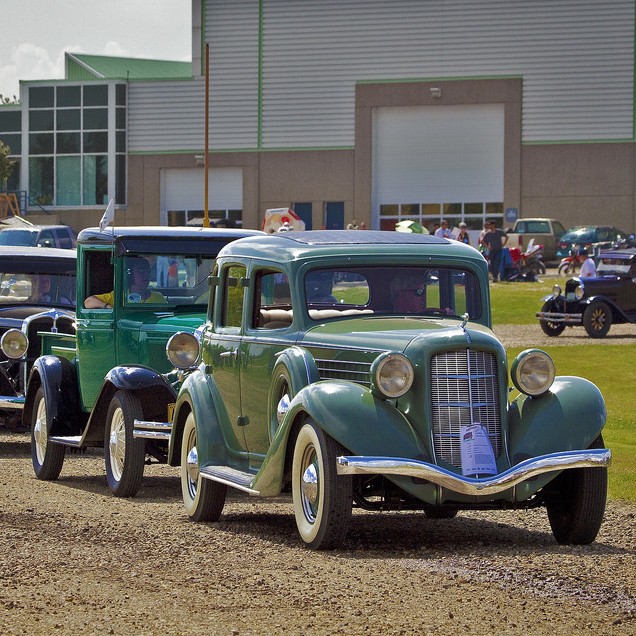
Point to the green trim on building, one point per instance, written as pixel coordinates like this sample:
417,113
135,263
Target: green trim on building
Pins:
91,67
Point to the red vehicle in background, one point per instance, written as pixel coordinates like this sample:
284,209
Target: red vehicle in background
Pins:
570,264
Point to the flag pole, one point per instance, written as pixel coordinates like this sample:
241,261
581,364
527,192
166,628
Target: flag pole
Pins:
206,218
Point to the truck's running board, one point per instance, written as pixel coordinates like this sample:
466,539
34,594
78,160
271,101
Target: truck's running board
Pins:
230,477
71,440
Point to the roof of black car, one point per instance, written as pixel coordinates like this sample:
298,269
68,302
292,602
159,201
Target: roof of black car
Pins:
93,235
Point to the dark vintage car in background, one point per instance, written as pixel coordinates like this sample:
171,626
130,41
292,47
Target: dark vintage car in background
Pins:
593,237
360,369
37,294
597,302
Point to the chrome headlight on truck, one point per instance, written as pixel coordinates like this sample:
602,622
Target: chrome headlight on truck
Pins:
183,350
391,375
14,344
532,372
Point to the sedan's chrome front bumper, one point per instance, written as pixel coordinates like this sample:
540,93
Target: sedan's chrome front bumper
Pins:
358,465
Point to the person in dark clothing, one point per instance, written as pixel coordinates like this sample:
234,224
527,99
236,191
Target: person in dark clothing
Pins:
495,240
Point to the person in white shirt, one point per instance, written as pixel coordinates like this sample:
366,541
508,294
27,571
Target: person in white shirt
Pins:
443,231
588,266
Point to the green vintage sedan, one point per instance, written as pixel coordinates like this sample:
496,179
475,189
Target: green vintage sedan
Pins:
359,369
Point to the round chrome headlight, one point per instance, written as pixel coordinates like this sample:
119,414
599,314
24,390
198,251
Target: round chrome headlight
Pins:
532,372
391,375
14,344
556,291
579,292
183,350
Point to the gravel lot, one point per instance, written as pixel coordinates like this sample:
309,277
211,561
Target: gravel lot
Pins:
75,560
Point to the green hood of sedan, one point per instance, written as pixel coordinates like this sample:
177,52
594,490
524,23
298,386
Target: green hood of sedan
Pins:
391,333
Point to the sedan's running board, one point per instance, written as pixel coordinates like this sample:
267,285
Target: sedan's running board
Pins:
230,477
484,486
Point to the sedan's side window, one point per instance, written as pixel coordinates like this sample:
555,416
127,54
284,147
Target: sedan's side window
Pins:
272,307
232,296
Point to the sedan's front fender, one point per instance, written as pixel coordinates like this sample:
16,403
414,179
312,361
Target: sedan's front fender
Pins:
197,397
570,416
350,414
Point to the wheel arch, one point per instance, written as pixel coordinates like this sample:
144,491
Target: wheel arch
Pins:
58,377
196,396
350,414
152,389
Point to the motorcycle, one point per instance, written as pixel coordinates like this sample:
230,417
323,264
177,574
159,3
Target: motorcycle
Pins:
526,265
569,264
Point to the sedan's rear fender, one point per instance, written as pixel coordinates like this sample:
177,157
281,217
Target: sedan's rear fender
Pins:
353,416
570,416
198,395
58,377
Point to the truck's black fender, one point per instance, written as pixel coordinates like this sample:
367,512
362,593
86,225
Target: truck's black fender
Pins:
58,377
152,389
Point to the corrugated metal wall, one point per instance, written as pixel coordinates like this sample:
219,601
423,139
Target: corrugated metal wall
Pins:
576,58
170,116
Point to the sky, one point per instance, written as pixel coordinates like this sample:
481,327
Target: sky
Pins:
37,33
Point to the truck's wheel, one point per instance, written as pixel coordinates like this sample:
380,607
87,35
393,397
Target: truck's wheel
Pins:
597,319
322,499
203,499
548,327
47,458
576,503
123,453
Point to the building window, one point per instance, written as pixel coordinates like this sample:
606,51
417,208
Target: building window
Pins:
95,173
41,180
430,214
69,143
68,175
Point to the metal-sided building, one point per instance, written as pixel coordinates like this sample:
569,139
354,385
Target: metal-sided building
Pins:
373,110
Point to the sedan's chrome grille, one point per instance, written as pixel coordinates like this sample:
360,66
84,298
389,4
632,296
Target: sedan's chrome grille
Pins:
344,370
464,391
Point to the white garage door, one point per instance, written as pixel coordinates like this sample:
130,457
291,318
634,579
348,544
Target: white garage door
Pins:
437,155
184,190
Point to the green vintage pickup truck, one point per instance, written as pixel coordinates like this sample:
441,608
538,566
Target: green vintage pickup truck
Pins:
359,369
110,384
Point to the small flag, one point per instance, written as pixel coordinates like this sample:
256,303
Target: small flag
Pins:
109,216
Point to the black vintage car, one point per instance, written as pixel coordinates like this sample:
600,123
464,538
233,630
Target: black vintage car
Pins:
37,293
597,302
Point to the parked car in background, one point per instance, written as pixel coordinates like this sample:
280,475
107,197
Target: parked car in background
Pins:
360,369
593,237
596,303
60,236
138,288
37,294
546,232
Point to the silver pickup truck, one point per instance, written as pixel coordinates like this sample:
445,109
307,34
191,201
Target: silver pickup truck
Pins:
546,232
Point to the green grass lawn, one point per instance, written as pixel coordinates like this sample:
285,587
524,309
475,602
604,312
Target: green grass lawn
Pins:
517,303
613,371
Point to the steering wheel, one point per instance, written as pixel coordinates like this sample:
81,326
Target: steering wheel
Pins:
438,311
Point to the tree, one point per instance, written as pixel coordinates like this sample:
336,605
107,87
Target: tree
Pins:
6,164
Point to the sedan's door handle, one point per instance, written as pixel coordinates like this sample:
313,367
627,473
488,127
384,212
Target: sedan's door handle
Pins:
230,354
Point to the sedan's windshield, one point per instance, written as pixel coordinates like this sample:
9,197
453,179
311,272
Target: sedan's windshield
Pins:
37,288
441,291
